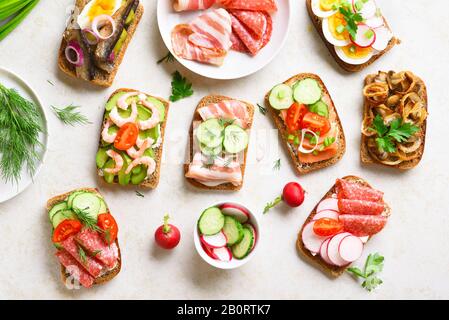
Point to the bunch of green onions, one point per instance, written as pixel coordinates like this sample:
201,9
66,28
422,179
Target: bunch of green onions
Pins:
12,12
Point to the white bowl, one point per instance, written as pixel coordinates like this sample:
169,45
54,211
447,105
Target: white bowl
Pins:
236,65
234,263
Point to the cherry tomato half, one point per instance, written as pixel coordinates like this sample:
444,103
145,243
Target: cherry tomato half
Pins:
315,123
107,223
294,116
325,227
65,229
126,136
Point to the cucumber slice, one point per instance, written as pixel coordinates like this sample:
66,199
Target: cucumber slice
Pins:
211,221
211,151
210,133
56,208
101,157
243,248
87,202
307,91
61,216
233,230
113,101
159,105
103,206
281,97
72,196
320,108
235,139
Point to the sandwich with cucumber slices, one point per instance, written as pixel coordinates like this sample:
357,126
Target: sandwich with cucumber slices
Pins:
132,136
219,138
308,122
84,234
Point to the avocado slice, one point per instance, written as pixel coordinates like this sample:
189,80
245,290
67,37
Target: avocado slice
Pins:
109,177
159,105
143,113
113,101
124,178
101,157
139,178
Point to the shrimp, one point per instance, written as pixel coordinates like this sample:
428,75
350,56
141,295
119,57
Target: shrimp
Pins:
148,161
118,120
140,141
118,162
121,102
105,135
133,153
153,120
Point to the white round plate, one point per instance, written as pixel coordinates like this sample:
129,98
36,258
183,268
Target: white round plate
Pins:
9,190
236,64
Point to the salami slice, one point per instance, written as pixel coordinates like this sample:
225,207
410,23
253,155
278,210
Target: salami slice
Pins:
362,226
354,191
255,21
93,267
267,36
360,207
245,35
95,246
237,44
188,5
253,5
74,269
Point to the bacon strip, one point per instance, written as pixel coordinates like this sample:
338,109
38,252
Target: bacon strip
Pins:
226,109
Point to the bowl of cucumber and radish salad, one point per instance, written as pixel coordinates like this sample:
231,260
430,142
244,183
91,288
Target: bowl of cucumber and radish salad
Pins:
226,235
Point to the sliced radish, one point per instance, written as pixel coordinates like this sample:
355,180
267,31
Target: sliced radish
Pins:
311,241
323,251
209,251
222,254
383,37
328,204
332,249
364,239
375,22
236,211
249,225
368,10
365,36
326,214
215,241
350,248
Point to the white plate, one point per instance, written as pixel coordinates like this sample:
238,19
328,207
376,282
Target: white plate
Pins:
11,80
236,64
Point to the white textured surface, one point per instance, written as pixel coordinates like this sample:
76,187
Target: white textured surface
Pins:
414,242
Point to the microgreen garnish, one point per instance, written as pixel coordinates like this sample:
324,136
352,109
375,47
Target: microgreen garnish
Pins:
262,109
167,58
277,165
328,141
180,87
69,115
373,266
272,204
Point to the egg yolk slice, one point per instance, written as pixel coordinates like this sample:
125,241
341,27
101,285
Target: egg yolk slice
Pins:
100,7
354,52
327,5
338,23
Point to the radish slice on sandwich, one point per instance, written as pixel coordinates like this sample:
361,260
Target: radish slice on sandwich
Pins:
332,249
365,36
223,254
331,214
236,211
323,251
350,248
311,241
383,37
367,9
328,204
375,22
218,240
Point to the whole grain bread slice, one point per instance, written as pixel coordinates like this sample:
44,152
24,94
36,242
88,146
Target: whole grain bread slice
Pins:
110,274
332,271
103,79
303,168
317,22
365,155
196,117
152,181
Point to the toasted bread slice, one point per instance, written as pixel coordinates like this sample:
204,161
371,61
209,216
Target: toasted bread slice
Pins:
102,78
317,22
303,168
333,271
111,273
196,117
152,181
366,157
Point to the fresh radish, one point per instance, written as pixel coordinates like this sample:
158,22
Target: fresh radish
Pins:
292,195
364,239
311,241
209,251
250,226
375,22
368,10
328,204
218,240
323,251
167,236
350,248
238,212
365,36
332,249
383,37
326,214
222,254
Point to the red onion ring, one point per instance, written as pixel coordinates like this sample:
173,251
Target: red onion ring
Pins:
100,21
89,34
74,46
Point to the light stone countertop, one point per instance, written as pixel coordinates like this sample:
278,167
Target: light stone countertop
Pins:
414,242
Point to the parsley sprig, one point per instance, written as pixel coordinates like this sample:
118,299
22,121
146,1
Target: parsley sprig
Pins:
373,266
180,87
397,131
351,18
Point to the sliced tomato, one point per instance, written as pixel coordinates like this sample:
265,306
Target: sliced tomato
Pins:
294,116
315,123
65,229
107,223
126,136
327,227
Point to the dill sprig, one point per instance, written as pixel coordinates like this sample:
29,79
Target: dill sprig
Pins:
167,58
82,255
69,115
20,126
262,109
140,194
86,219
277,165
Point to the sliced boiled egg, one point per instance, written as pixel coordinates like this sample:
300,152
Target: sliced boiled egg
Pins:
324,8
334,30
353,54
95,8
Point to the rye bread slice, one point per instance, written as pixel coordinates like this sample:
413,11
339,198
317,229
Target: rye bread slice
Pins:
303,168
104,79
109,275
317,22
152,181
332,271
366,157
196,117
